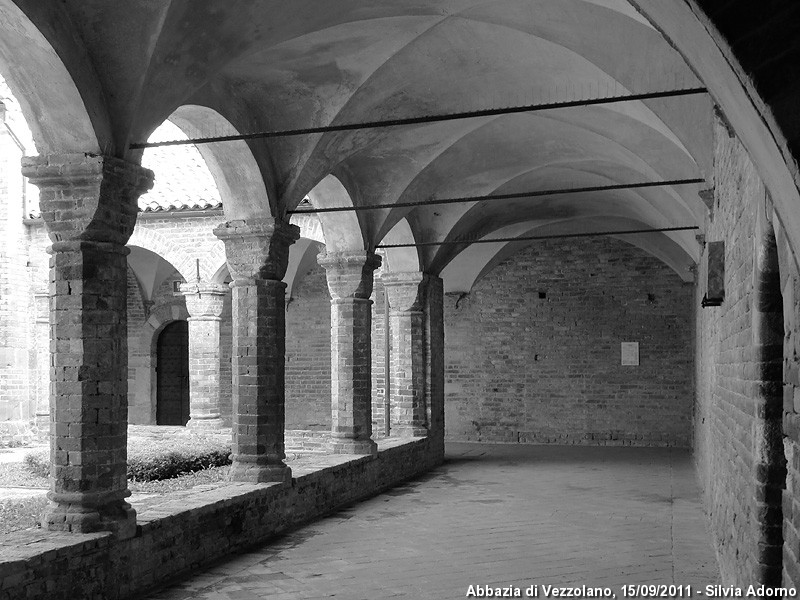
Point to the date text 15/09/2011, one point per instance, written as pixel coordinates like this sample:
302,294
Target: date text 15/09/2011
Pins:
629,591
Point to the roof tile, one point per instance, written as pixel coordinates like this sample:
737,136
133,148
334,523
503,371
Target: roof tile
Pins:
183,181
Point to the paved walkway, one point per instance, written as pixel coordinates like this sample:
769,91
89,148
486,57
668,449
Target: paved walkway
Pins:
500,515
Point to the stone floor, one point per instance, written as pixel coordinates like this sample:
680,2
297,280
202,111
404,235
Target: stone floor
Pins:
496,515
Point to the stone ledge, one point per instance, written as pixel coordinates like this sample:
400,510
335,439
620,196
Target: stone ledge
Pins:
194,528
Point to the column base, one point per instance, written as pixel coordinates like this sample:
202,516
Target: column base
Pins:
205,423
351,446
250,471
118,518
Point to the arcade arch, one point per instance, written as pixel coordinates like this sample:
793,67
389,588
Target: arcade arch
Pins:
92,95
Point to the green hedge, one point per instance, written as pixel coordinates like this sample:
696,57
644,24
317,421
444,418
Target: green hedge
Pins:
154,460
38,462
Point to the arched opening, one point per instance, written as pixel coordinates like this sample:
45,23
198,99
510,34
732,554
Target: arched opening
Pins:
153,302
172,374
24,368
240,182
771,468
341,230
65,113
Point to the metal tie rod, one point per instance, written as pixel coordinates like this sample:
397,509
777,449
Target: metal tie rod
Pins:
489,112
536,237
491,197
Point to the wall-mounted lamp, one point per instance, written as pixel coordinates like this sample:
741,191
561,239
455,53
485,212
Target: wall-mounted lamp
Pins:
715,287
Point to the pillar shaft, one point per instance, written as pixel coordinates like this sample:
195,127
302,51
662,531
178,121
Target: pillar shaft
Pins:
406,293
350,278
257,252
434,371
204,302
89,206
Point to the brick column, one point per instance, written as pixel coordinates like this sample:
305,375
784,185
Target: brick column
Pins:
350,285
257,251
434,363
89,205
204,303
406,293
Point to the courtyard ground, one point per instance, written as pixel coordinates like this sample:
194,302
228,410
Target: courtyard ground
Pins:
22,493
494,515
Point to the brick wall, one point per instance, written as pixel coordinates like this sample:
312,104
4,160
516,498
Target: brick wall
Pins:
308,354
179,239
39,313
733,400
139,409
226,352
143,330
182,240
17,399
725,403
533,353
790,285
38,260
378,359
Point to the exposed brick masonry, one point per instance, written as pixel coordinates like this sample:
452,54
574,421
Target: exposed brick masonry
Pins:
533,353
137,412
205,303
739,463
406,292
257,253
195,528
182,240
350,280
308,354
435,348
148,321
18,394
89,206
379,380
39,301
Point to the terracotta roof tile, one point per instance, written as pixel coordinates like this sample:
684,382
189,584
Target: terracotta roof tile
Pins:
183,181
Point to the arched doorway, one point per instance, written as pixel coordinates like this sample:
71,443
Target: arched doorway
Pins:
771,467
172,374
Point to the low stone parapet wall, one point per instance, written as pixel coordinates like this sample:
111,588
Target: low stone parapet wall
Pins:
190,529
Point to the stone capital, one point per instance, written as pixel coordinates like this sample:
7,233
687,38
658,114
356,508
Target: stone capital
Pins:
86,197
406,290
257,248
204,300
349,274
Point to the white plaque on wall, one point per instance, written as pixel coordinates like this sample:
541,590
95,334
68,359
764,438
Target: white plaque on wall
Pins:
630,353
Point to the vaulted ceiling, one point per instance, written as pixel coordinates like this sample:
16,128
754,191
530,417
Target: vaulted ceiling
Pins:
247,66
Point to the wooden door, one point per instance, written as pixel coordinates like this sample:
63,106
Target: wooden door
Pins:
172,375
